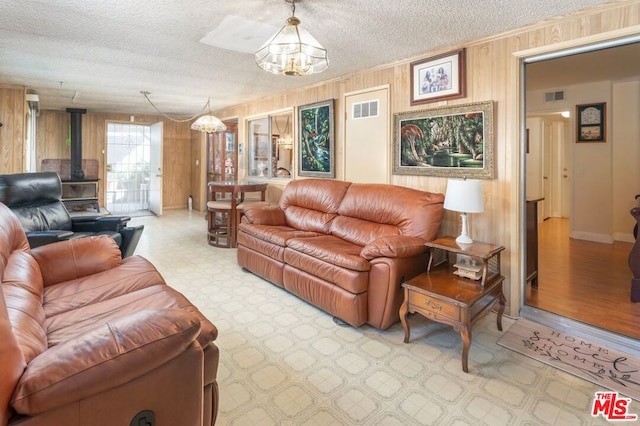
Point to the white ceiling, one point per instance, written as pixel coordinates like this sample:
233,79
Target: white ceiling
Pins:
100,55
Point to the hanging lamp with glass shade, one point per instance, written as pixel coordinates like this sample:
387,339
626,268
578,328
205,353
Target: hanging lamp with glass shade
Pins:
208,123
292,50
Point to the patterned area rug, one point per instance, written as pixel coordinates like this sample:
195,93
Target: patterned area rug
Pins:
605,367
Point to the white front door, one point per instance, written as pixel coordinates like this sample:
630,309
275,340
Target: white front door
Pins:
155,170
367,132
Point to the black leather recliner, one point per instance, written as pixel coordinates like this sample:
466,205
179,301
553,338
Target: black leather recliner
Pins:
36,199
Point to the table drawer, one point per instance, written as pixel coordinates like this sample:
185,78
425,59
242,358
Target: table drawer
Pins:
429,304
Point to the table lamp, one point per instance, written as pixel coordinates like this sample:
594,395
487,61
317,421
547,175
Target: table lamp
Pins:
464,196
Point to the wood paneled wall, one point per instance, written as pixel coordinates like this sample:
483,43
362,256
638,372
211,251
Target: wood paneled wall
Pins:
53,131
492,74
13,116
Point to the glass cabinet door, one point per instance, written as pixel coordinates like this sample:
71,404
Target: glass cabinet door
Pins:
222,156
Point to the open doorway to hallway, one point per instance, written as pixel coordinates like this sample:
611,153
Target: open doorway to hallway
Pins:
128,168
583,250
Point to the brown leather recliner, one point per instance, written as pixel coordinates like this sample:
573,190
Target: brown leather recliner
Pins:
88,338
343,247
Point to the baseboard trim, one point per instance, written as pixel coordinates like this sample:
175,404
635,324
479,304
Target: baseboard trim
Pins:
579,329
590,236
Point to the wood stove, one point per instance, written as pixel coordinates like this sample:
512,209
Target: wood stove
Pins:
79,177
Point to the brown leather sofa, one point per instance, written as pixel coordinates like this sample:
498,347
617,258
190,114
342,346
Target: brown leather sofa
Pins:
343,247
88,338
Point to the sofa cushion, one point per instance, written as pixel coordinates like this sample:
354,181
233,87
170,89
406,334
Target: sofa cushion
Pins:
66,325
22,289
359,231
405,211
134,273
331,249
312,205
332,259
278,235
44,217
264,215
118,351
395,246
67,260
11,360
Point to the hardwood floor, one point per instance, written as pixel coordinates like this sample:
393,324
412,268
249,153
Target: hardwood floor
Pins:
584,281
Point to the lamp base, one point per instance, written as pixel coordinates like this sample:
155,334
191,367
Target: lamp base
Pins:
464,239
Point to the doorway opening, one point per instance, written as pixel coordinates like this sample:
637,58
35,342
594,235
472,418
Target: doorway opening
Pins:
584,226
128,168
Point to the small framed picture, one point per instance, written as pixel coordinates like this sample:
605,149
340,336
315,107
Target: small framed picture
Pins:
438,78
591,122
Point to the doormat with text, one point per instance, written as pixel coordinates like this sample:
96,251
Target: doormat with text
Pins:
605,367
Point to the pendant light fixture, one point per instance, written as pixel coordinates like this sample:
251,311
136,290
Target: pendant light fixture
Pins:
292,50
284,139
207,123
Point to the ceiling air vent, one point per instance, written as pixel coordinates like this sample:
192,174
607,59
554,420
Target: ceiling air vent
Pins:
365,109
554,96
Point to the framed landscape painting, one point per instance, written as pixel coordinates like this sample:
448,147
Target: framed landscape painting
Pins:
450,142
316,140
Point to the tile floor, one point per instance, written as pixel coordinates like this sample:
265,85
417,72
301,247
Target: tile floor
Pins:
284,362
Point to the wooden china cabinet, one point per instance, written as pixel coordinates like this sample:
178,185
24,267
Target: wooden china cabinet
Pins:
222,154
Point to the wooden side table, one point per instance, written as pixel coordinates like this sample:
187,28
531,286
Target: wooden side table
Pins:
444,297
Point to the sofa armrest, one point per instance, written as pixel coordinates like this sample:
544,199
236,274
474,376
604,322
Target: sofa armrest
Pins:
40,238
71,259
103,358
265,215
394,246
100,223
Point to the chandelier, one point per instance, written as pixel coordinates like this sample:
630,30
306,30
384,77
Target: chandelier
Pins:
284,140
292,50
207,123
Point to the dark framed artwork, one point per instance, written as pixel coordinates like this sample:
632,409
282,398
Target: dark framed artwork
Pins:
439,78
316,143
450,142
591,122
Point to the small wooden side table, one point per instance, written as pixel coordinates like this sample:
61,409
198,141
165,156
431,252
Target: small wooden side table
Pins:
444,297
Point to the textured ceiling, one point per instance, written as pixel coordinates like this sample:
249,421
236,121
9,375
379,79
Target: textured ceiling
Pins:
100,55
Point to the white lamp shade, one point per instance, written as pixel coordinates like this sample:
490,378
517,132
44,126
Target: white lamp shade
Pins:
464,195
208,124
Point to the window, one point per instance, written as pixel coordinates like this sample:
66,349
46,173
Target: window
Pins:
270,146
